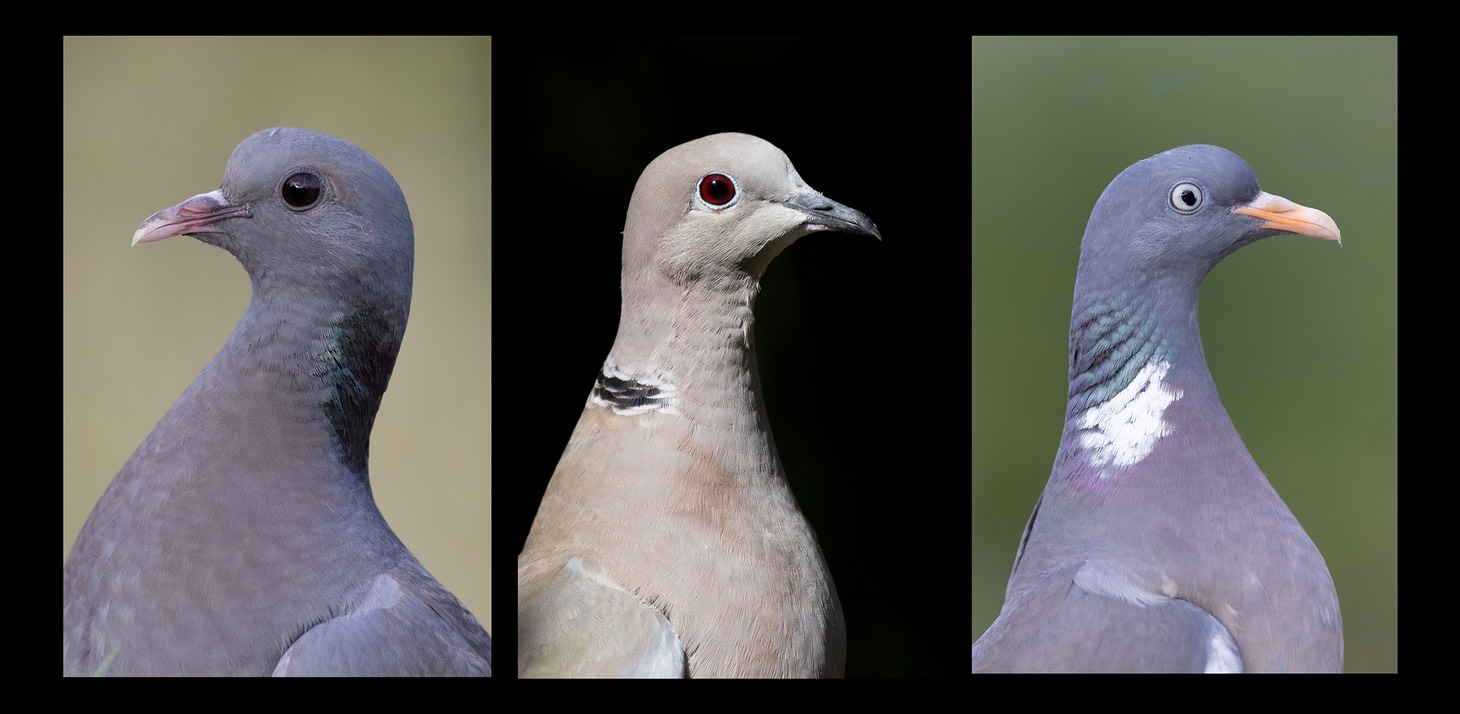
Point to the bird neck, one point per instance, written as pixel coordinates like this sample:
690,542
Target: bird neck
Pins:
690,348
1138,377
315,368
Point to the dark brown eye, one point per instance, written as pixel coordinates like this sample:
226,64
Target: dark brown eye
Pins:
301,190
717,189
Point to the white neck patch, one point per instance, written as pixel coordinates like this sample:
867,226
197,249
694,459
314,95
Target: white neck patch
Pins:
1124,429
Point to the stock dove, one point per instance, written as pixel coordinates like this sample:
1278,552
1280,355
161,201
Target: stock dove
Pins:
242,538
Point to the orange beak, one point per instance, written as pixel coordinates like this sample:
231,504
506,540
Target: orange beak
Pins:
1281,214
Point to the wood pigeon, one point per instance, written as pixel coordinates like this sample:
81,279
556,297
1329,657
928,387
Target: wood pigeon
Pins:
1158,544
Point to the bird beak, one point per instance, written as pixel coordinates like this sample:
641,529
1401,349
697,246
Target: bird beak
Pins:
828,215
1280,214
196,215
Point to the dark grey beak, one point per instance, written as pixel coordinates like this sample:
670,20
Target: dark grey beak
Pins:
828,215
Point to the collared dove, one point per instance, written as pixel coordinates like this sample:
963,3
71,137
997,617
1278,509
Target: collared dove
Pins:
241,538
668,542
1158,544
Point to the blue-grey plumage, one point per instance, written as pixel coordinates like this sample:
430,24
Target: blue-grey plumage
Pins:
1158,544
242,538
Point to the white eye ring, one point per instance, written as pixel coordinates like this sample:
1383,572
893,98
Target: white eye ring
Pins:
1186,197
717,190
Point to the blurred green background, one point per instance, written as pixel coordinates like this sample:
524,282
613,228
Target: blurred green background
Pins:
1301,335
149,122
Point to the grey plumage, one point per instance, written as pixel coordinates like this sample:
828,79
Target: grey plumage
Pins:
1158,544
668,542
242,538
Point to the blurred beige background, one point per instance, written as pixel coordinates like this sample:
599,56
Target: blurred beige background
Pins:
149,122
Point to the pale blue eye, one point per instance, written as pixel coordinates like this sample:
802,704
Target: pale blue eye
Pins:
1186,197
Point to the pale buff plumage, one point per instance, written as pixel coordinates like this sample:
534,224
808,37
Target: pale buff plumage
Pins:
668,542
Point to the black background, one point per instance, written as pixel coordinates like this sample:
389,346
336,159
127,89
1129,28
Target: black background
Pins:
863,345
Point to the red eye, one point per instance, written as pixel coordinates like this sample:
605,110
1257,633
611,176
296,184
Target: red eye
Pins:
717,189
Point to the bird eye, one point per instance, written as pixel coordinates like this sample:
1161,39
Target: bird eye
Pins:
1186,197
718,190
301,191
